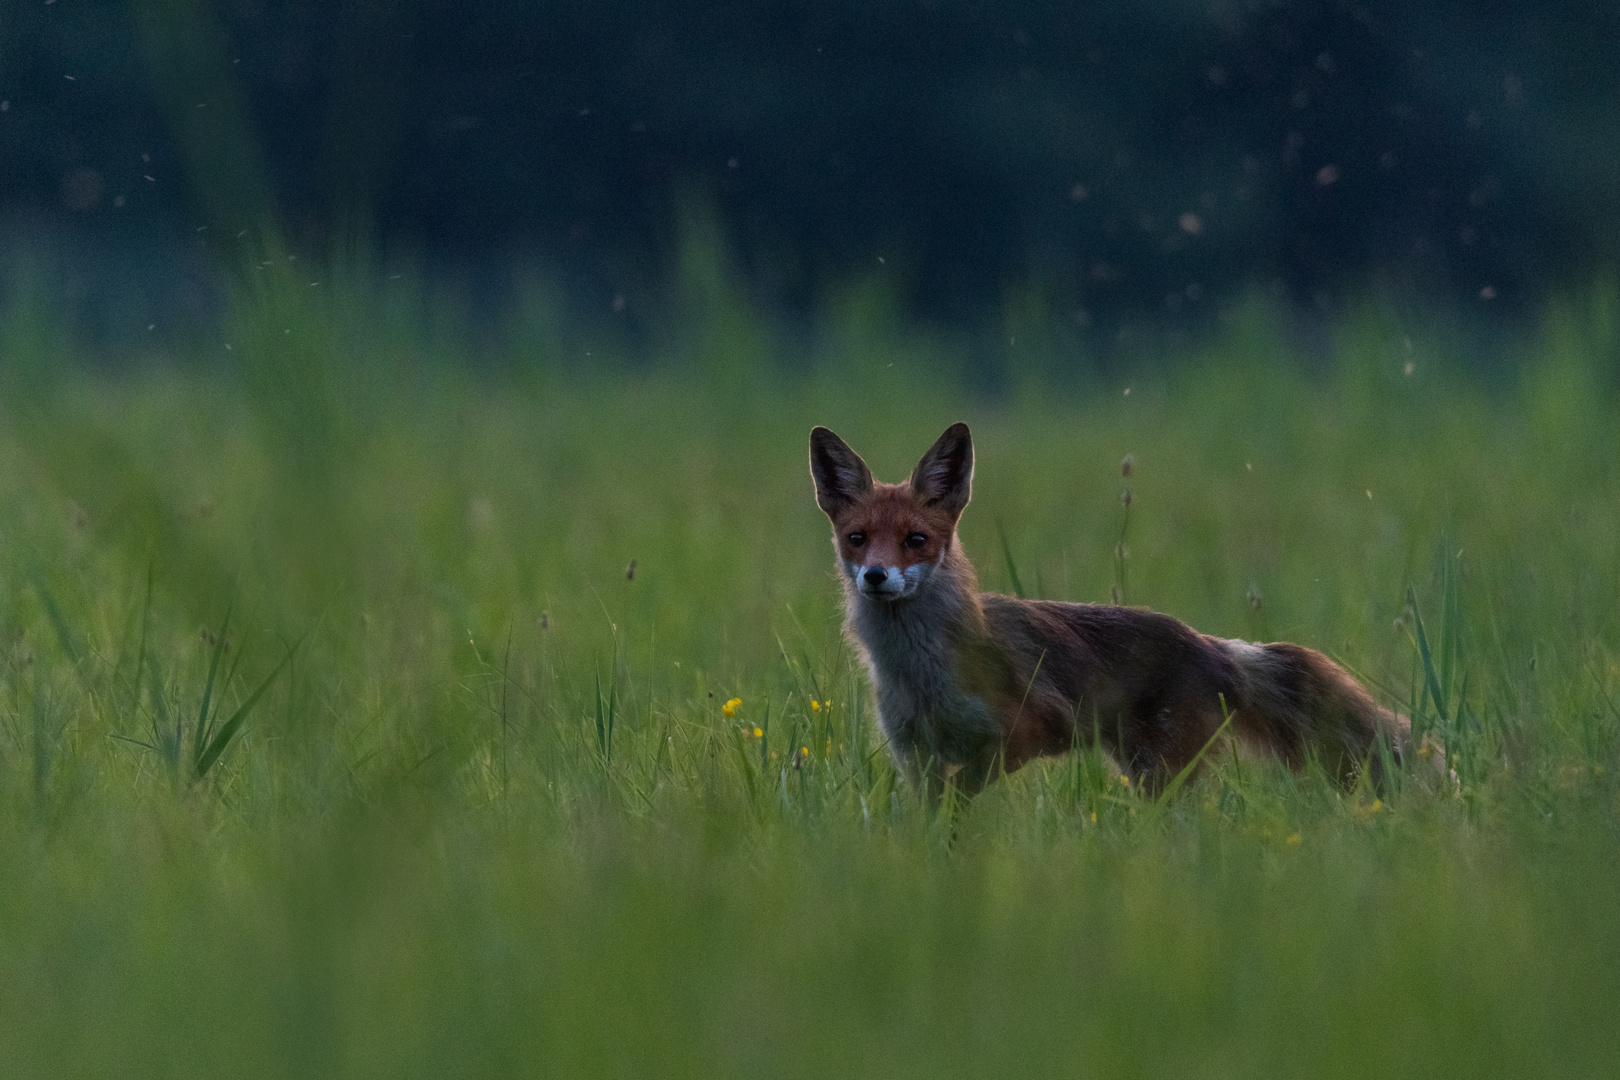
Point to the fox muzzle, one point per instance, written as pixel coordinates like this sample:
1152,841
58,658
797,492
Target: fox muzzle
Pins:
888,582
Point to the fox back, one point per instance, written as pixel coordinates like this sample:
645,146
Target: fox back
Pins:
971,684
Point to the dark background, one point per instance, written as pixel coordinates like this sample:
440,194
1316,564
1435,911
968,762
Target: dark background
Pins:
1128,161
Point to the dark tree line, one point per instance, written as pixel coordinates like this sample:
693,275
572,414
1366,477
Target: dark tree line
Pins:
1116,158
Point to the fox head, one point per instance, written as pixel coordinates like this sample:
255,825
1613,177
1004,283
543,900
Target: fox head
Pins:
891,538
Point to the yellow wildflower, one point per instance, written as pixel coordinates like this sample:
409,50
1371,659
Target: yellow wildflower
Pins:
1293,840
804,751
1366,811
758,733
1094,817
730,707
815,706
1124,779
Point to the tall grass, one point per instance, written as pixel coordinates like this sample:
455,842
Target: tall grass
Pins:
452,792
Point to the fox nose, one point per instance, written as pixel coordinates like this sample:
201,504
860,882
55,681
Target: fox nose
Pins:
876,576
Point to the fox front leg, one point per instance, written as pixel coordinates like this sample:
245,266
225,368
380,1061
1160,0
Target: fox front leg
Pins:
933,776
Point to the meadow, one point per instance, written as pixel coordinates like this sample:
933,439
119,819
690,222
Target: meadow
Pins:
381,696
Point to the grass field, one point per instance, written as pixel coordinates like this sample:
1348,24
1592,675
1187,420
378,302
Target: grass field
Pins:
337,739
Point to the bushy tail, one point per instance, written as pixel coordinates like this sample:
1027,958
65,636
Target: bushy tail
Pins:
1298,703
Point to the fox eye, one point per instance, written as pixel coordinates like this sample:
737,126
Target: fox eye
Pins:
857,539
916,540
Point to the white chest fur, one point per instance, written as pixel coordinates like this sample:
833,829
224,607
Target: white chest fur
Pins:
923,708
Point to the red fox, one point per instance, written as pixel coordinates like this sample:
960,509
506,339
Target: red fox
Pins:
971,685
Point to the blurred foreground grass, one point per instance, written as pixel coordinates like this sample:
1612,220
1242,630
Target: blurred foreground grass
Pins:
490,818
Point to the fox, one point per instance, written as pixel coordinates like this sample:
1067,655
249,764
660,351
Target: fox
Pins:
971,686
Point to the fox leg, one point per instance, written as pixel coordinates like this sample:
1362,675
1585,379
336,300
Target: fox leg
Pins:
931,774
916,765
1156,748
977,772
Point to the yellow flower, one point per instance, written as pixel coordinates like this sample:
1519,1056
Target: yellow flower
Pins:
1124,779
804,751
815,706
1366,811
1094,817
730,707
1293,840
758,734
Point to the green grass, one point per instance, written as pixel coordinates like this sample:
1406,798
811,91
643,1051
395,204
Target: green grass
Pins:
452,794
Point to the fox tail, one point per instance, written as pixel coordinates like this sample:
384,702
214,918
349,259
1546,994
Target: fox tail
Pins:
1299,704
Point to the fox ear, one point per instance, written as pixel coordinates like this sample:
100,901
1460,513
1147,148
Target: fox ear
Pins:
944,476
842,478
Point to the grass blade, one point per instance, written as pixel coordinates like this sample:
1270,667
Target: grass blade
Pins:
59,623
140,650
601,727
750,781
612,706
227,730
199,737
154,684
1180,778
1430,677
765,740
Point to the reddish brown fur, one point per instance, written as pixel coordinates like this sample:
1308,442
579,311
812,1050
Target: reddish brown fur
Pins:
887,517
973,684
